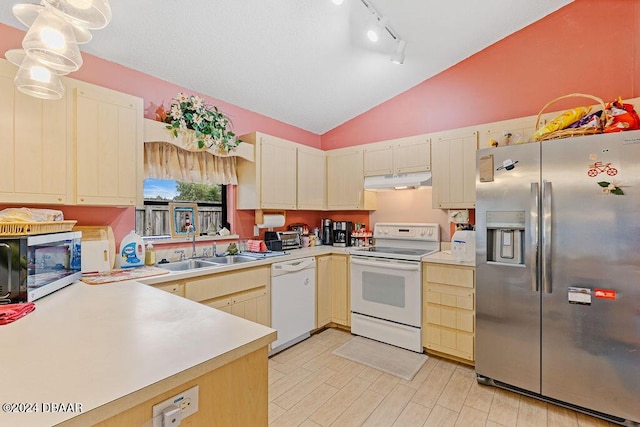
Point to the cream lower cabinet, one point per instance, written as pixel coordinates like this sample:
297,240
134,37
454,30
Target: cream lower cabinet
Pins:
345,181
454,169
245,293
35,145
449,310
108,136
332,290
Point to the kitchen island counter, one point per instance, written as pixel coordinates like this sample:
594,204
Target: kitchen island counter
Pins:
107,349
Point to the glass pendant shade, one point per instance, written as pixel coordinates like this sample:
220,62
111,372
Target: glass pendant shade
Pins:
27,13
35,79
52,42
90,14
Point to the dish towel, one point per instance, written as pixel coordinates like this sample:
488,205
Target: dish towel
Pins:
256,246
11,312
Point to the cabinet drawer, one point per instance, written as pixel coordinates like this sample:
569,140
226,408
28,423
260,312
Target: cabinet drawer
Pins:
455,276
451,296
217,285
172,288
449,341
450,317
219,303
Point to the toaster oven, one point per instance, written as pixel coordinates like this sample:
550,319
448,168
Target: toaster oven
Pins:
289,239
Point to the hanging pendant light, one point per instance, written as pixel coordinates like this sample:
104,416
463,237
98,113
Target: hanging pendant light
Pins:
51,41
33,78
90,14
27,13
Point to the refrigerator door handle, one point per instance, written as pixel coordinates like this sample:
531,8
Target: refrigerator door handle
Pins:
546,238
533,228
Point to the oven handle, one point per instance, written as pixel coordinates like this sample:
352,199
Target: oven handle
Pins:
387,264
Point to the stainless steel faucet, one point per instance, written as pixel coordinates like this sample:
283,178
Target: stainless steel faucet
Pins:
192,230
181,252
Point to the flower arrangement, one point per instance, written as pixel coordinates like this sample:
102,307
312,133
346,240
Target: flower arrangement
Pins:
211,126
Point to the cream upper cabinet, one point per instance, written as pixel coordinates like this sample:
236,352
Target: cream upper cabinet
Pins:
270,181
312,172
378,159
345,180
108,136
403,155
454,169
35,145
412,154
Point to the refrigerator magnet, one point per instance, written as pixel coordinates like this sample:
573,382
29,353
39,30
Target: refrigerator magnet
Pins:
579,295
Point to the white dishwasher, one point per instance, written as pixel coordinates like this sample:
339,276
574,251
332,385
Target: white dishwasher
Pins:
293,301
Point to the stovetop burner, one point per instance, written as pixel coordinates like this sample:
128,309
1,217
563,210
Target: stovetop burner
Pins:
403,241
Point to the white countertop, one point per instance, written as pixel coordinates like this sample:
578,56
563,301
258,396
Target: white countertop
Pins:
446,258
92,345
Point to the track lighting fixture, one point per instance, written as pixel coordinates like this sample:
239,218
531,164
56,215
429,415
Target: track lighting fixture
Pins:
382,26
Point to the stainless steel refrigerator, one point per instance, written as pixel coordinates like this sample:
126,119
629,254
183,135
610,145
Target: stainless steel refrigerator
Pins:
558,272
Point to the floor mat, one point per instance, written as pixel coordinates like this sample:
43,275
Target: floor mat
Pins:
388,358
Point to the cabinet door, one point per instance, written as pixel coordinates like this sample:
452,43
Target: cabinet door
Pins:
345,181
378,160
176,288
109,147
278,173
312,171
412,155
35,146
340,301
454,170
324,278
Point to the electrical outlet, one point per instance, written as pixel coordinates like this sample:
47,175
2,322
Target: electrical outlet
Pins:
256,231
187,401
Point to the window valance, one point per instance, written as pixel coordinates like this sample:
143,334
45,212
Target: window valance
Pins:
164,160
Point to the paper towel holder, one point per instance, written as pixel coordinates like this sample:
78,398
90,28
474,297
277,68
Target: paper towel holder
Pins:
260,213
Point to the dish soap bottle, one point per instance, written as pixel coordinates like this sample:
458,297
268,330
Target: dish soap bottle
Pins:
150,255
132,251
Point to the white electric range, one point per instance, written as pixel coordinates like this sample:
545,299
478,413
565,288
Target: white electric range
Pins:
386,283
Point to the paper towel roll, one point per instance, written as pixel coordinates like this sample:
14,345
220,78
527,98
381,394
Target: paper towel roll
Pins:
272,221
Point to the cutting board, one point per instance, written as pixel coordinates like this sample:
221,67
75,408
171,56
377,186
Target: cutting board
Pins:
95,251
122,274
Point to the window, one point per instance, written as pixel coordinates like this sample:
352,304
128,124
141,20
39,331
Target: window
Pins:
153,218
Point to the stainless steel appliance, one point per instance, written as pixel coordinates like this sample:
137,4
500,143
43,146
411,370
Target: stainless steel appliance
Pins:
289,239
558,272
386,283
293,301
326,231
32,267
342,233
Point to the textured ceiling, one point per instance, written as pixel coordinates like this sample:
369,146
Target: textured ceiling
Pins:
303,62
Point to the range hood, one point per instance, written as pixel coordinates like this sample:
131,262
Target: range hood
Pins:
397,181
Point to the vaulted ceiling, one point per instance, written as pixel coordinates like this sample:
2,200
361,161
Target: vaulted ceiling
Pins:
307,63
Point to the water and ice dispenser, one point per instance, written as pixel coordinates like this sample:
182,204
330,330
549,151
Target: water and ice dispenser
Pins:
505,236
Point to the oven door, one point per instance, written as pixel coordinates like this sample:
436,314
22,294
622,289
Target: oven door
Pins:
388,289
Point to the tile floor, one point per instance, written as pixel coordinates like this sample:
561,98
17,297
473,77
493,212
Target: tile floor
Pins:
310,386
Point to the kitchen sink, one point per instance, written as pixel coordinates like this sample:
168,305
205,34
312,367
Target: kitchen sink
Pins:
230,259
188,264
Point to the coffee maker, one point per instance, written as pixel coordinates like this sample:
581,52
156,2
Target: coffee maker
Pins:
326,231
342,233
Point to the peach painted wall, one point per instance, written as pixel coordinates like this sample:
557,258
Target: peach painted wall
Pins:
589,46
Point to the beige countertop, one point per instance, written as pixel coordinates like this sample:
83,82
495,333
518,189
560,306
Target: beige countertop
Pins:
106,348
446,258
